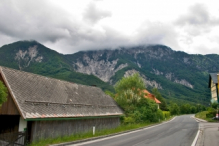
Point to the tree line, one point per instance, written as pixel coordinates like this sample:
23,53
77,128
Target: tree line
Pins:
137,108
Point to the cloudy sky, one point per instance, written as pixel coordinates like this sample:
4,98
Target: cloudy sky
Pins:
69,26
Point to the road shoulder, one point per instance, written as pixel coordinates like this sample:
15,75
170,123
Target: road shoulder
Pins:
114,134
209,133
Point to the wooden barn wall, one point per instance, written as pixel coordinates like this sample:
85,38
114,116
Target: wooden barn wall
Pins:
9,107
53,129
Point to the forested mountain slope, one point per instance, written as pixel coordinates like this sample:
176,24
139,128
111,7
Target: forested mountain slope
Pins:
179,76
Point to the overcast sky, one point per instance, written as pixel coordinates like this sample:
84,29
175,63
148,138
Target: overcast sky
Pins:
69,26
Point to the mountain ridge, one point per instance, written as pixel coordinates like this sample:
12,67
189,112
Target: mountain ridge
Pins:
178,75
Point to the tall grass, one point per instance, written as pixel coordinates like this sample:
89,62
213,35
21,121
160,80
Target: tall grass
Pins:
202,115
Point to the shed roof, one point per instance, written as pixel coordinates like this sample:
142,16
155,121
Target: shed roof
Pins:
42,97
212,76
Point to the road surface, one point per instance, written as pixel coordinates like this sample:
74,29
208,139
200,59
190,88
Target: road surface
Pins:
179,132
209,134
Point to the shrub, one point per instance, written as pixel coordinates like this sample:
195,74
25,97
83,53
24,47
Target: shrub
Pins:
129,120
211,113
3,93
160,114
166,114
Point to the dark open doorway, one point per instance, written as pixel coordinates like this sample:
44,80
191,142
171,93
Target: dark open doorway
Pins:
9,123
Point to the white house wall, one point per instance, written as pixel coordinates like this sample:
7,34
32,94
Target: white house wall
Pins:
213,91
22,125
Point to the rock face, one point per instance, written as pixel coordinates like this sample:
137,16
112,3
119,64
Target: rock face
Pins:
103,69
171,77
24,58
184,82
105,64
147,81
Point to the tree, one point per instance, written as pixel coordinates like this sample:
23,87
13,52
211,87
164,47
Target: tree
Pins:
193,109
134,82
214,105
174,109
185,108
200,107
131,99
129,89
163,105
3,93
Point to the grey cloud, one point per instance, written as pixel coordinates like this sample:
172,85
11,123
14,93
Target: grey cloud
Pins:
157,33
203,49
93,39
92,14
197,21
197,15
149,33
32,19
186,40
214,39
43,22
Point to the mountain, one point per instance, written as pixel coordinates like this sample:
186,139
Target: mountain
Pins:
32,56
179,76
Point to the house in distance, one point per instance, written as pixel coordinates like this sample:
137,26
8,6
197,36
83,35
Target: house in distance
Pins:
213,85
150,96
49,108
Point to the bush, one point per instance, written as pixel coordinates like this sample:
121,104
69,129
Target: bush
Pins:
211,113
174,109
210,109
166,114
160,114
129,120
214,105
3,93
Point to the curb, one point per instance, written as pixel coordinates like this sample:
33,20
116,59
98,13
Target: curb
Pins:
200,120
104,136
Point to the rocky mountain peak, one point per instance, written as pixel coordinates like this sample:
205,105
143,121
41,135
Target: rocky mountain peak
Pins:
25,57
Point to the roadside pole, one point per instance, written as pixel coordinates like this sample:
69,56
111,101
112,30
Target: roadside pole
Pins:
93,130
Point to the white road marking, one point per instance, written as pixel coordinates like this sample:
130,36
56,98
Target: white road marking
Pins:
196,138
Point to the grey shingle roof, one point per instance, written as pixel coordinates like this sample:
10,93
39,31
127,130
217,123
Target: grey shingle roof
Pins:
212,76
42,97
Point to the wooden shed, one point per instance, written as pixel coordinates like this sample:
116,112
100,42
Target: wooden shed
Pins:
49,108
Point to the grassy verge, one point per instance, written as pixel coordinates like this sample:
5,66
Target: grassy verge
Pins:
46,142
202,115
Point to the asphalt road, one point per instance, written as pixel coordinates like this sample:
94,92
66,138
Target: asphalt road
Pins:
179,132
209,133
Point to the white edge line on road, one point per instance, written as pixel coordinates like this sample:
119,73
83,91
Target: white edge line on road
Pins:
196,138
92,141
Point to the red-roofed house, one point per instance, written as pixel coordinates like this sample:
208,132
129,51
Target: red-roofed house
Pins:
151,96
